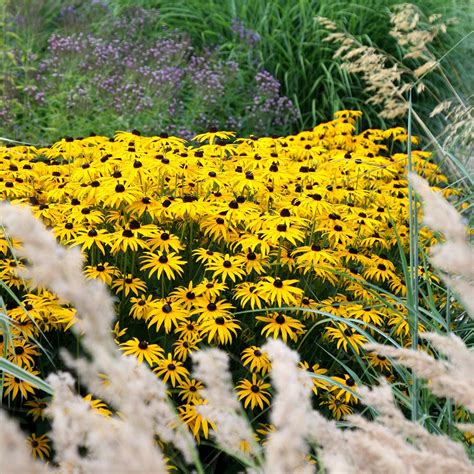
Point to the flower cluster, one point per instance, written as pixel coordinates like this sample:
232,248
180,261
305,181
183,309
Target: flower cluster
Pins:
223,242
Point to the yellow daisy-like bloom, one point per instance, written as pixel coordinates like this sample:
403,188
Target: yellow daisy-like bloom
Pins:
152,353
36,409
253,392
172,370
227,267
170,264
103,271
93,237
338,408
195,421
22,354
212,134
97,405
345,335
280,325
129,284
167,314
256,360
189,390
220,329
15,386
40,446
276,290
249,294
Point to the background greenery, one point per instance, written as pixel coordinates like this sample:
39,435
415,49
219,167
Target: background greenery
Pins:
280,37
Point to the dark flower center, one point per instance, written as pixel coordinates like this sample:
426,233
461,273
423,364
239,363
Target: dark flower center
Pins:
146,200
143,345
255,388
100,268
227,264
251,256
92,233
128,281
19,350
190,295
348,332
167,308
281,227
120,188
280,319
211,307
381,267
171,367
134,225
127,233
257,353
285,213
337,228
315,248
278,283
350,382
165,236
220,320
219,221
163,259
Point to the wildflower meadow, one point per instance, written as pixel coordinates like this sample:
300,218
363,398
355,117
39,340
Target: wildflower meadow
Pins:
213,263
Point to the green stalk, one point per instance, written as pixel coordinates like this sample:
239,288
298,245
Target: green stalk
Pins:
412,296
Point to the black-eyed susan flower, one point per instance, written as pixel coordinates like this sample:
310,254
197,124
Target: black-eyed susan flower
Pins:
219,329
36,409
338,408
195,421
212,134
276,290
249,293
189,390
22,354
166,314
97,405
182,348
14,386
165,242
103,271
172,370
256,360
39,445
142,350
124,238
227,267
129,284
170,265
254,392
98,238
281,325
345,336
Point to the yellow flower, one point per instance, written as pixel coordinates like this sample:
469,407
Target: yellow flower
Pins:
253,392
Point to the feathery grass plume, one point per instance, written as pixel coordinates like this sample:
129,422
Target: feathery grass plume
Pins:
458,133
387,77
110,443
291,409
132,389
14,452
412,35
455,257
393,444
233,431
451,378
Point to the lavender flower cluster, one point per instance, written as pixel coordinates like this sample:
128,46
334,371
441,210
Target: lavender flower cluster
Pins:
155,83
